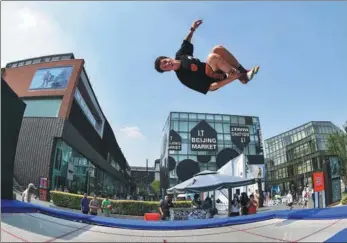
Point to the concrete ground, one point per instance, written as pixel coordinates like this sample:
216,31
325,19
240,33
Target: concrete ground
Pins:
35,227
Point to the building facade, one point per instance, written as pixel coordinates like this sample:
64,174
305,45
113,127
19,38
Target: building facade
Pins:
293,156
65,138
193,142
142,176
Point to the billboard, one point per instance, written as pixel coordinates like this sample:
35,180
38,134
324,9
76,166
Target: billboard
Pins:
334,167
318,181
255,171
175,141
240,136
51,78
203,137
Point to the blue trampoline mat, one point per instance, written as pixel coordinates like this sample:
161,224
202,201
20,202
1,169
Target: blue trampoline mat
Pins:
12,206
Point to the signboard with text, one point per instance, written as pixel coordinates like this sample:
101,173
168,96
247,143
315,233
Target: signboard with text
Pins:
318,181
240,136
203,137
175,141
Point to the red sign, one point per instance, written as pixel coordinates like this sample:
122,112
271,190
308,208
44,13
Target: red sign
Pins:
43,194
318,181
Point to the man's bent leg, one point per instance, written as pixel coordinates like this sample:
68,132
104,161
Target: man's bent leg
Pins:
216,62
246,75
228,57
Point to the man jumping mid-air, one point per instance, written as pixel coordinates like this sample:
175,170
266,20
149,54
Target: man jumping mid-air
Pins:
220,69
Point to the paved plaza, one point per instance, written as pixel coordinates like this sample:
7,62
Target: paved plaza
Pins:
35,227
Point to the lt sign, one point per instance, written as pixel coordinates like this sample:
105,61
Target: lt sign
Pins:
203,137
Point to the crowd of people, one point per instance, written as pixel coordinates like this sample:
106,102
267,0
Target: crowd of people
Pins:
92,207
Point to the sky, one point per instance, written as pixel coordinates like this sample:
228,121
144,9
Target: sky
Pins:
301,48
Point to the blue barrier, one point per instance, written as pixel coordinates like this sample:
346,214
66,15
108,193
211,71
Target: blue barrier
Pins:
9,206
339,237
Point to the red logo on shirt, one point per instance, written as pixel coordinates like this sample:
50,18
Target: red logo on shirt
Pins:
193,67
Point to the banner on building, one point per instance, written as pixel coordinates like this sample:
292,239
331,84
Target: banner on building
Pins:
203,137
240,136
175,141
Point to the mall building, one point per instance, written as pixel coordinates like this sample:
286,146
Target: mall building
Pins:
65,140
193,142
293,156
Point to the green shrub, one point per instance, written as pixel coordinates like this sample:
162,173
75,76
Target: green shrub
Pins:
124,207
344,199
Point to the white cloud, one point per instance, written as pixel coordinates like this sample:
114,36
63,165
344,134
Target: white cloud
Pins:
132,132
27,31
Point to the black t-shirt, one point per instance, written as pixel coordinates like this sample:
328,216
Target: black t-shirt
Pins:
165,207
192,71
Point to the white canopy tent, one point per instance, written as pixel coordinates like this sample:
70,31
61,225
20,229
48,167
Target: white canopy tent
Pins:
209,181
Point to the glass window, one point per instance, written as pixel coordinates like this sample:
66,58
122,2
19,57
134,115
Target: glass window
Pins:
182,157
255,120
65,57
233,120
81,102
192,157
42,107
201,116
192,125
14,65
193,116
227,138
226,118
183,116
218,118
20,64
220,138
184,148
219,127
242,120
175,125
37,61
184,126
56,58
226,128
174,115
28,62
209,117
184,135
252,150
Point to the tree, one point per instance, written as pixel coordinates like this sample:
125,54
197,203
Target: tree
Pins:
337,145
155,186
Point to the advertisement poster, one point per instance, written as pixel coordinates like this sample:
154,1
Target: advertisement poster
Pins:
240,136
203,137
318,181
175,141
255,171
51,78
336,190
334,167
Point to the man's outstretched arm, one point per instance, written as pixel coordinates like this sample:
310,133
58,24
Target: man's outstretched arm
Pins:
192,29
187,47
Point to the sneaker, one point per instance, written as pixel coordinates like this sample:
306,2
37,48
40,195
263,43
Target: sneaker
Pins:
252,72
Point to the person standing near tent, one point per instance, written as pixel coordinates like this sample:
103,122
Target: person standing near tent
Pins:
164,208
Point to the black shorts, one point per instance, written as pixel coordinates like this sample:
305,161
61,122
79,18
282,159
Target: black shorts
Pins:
92,213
